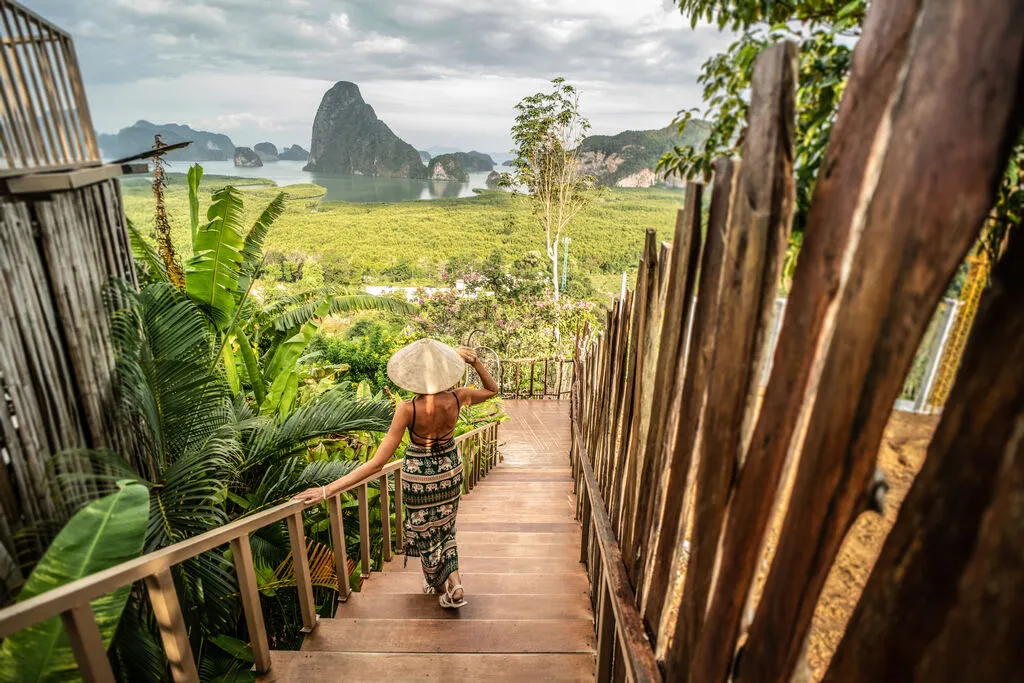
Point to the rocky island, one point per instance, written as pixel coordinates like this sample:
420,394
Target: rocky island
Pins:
446,167
246,158
267,151
630,159
293,153
348,138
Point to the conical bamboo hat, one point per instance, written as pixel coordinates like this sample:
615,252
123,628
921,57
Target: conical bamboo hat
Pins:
426,367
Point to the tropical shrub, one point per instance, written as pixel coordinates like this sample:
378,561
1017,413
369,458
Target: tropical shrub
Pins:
104,533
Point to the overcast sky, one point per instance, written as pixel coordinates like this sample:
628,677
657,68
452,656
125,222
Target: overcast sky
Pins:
439,72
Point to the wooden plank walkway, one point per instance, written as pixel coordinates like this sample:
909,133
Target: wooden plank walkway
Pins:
529,611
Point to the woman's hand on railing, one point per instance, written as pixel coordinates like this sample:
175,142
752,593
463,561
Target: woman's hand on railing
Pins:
314,495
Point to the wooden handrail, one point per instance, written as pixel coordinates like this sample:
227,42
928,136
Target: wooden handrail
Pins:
615,592
71,601
51,603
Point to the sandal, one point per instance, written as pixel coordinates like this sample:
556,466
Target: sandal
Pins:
428,589
448,601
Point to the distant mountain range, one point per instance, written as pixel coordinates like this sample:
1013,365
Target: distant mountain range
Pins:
138,137
630,158
348,138
206,146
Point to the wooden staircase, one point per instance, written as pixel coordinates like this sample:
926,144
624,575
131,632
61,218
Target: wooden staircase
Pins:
529,612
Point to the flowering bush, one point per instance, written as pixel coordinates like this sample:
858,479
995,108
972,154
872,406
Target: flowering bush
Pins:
514,328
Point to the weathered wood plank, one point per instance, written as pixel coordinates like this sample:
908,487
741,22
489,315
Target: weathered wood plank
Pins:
950,104
917,582
687,404
682,279
761,218
877,62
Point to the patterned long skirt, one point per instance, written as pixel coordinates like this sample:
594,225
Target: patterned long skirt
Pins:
431,488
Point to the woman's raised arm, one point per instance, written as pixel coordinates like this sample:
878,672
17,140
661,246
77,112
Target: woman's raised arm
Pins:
468,396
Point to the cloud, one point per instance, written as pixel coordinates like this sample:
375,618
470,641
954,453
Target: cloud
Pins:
438,71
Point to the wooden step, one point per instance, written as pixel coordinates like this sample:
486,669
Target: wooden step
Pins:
518,527
451,635
564,538
491,565
556,553
556,582
332,667
492,607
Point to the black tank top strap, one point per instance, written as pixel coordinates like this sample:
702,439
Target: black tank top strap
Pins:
430,440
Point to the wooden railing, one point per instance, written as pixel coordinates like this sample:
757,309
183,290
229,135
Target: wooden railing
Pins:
681,463
535,378
479,452
45,124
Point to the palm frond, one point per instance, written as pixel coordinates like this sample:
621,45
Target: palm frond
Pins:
146,254
252,249
341,304
195,176
322,572
336,412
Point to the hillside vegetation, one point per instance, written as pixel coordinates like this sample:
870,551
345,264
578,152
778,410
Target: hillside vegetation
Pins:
411,242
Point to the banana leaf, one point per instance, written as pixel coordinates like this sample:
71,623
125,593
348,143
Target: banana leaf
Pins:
195,176
104,533
281,371
211,278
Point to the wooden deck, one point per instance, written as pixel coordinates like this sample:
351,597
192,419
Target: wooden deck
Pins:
529,612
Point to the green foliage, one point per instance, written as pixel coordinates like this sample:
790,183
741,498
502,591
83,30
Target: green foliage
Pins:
826,31
212,274
825,55
101,535
365,355
607,237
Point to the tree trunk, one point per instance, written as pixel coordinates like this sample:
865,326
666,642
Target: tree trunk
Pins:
553,253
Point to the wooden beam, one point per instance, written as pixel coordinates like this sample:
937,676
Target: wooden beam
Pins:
687,403
249,592
87,644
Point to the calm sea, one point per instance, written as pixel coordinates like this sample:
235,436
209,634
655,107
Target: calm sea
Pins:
347,188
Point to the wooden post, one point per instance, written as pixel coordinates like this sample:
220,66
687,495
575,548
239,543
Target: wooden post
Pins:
249,592
877,63
532,365
338,543
385,518
519,367
605,636
300,560
757,239
364,530
545,377
399,514
167,612
87,644
911,222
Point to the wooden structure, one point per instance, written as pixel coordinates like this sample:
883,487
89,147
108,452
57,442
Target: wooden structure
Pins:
680,463
535,378
71,601
46,124
528,615
63,239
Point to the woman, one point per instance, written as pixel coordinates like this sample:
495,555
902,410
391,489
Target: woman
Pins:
432,471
